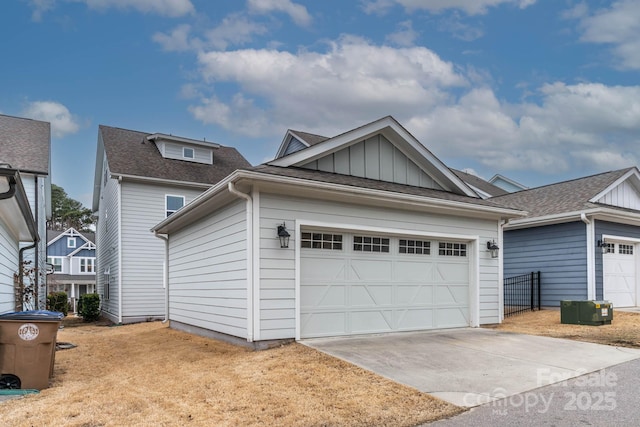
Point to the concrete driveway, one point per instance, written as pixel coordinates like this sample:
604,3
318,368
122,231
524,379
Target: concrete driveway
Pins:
473,366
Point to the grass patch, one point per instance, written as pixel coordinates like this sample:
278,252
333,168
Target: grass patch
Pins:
149,375
624,330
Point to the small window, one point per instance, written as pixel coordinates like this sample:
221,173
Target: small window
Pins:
56,262
452,249
107,284
173,203
419,247
87,265
188,153
321,241
71,242
625,249
609,248
370,244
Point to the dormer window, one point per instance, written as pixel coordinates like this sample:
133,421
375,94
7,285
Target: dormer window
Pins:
188,153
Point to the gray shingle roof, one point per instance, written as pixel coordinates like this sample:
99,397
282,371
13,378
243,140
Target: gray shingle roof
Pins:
129,153
25,144
562,197
52,234
480,183
310,138
373,184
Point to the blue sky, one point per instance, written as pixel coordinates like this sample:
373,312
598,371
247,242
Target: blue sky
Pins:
537,90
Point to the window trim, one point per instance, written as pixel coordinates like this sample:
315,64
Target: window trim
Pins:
167,211
184,153
50,260
88,261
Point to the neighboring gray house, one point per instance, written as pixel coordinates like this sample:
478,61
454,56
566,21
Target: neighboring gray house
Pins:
383,237
583,235
140,179
25,145
17,227
72,256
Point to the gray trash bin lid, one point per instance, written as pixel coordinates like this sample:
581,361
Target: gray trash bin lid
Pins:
40,315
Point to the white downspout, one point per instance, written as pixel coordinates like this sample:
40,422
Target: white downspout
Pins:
120,249
591,264
233,190
165,274
501,225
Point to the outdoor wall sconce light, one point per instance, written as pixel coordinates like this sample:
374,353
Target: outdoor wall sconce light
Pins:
283,235
603,246
493,248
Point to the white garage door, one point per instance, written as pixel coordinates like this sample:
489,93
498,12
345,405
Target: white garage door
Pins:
364,283
620,285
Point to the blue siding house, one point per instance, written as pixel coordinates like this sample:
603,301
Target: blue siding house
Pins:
583,235
72,259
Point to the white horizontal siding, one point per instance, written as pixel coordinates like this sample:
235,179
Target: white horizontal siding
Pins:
107,247
8,266
208,272
201,154
143,206
277,266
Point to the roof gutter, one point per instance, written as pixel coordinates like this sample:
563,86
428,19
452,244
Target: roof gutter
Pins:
121,176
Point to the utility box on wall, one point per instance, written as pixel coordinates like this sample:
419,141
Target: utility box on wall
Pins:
594,313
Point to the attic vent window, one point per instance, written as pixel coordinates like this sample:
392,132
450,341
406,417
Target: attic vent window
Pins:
188,153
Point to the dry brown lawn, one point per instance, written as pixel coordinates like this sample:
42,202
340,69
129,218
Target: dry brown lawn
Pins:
149,375
624,330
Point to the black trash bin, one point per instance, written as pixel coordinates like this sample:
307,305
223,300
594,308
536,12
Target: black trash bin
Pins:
28,348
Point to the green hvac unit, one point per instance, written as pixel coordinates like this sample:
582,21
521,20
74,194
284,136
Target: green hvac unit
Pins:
594,313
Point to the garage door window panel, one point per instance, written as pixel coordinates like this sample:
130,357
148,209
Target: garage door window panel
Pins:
321,241
418,247
452,249
625,249
370,244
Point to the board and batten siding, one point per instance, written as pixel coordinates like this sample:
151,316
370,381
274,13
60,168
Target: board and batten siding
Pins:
208,272
277,265
374,158
143,206
624,195
612,229
107,248
558,251
8,267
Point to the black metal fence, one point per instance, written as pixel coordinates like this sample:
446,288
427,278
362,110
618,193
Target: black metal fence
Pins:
521,293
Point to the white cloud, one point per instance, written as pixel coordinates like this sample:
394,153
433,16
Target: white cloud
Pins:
618,26
453,24
62,121
40,7
352,81
405,36
470,7
171,8
177,40
296,12
235,29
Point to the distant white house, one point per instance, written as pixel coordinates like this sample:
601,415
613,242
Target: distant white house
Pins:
365,232
140,179
25,146
72,257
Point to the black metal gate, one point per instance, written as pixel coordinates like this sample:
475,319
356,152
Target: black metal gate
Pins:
521,293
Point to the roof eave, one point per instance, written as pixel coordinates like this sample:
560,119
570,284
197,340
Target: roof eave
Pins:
363,193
